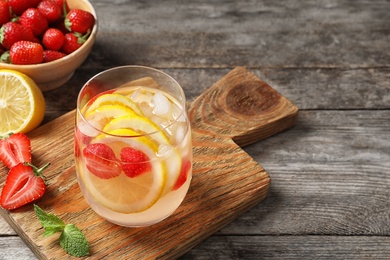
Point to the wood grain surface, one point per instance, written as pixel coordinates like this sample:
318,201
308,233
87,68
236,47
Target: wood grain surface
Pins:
226,181
331,172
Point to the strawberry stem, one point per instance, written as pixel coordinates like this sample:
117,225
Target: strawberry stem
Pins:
65,11
38,171
82,38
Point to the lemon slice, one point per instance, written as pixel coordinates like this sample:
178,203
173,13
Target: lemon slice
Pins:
124,194
114,99
141,125
166,151
101,116
22,105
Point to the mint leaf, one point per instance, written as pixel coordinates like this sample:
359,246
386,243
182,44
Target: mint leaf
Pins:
73,241
51,223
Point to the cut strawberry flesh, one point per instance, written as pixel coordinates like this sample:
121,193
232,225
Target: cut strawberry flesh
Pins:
134,162
21,187
100,160
14,149
186,166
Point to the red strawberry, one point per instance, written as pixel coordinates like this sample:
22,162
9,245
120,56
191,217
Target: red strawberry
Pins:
19,6
135,162
32,18
5,14
49,55
14,149
185,168
53,39
51,10
12,32
25,52
80,21
71,43
79,137
64,6
101,161
24,184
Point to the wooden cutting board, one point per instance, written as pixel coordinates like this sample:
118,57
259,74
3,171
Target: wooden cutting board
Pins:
237,110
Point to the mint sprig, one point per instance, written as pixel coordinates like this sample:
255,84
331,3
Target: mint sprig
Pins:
72,240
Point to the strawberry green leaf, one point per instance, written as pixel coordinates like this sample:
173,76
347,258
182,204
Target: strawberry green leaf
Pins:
73,241
5,58
51,223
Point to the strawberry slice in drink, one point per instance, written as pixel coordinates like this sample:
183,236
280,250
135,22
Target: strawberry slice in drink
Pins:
134,162
101,161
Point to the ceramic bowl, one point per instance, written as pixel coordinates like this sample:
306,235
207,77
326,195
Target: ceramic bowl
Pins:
53,74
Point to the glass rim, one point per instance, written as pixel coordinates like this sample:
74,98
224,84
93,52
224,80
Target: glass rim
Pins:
182,111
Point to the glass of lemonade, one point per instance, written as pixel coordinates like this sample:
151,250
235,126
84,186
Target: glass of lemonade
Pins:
133,148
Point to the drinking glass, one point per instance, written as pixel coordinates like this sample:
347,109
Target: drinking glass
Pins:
133,149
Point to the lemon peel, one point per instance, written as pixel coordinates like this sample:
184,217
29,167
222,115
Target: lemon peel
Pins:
22,104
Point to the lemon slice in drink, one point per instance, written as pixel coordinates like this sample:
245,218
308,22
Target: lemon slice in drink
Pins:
166,151
141,125
22,105
124,194
101,116
114,99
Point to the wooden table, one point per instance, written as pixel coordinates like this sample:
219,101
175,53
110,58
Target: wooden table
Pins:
329,197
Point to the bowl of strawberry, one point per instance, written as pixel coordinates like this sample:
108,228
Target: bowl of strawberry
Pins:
46,39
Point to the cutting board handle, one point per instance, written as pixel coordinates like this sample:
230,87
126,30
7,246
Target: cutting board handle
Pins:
242,107
226,180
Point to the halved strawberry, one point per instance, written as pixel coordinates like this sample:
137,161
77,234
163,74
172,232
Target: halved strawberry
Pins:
134,162
100,160
185,168
24,184
14,149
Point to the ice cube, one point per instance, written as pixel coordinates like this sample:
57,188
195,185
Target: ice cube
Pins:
161,103
87,129
180,133
141,97
164,150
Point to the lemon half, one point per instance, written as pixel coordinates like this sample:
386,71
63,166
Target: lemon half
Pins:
22,105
